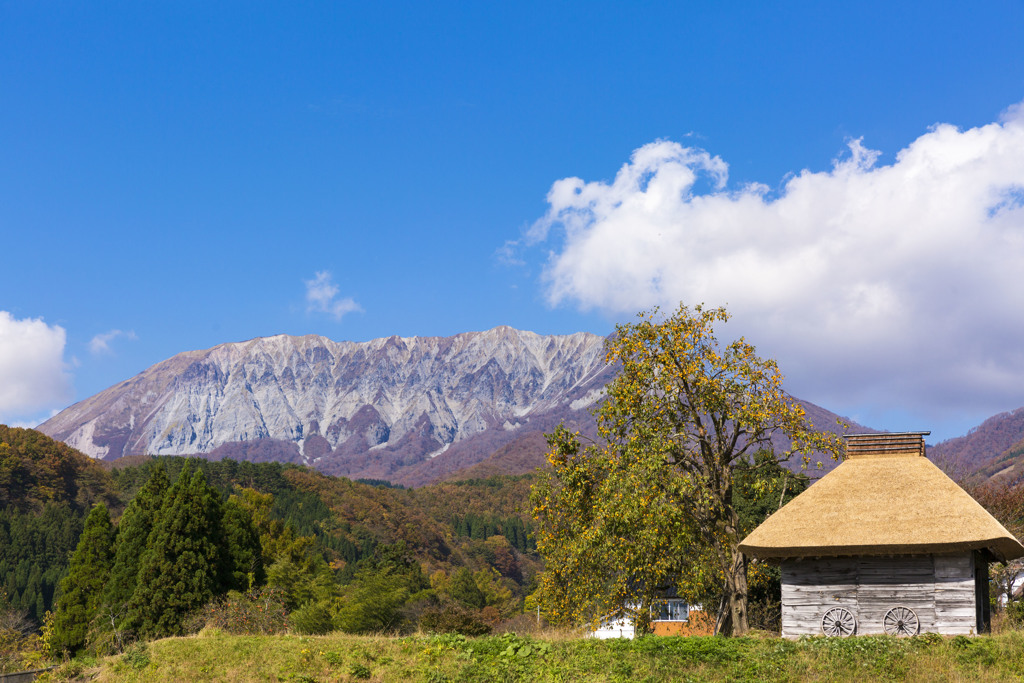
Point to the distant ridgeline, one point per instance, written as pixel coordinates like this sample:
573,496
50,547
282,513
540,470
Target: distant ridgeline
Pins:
478,562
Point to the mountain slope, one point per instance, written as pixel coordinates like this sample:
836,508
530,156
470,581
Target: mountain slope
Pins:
529,451
35,470
46,490
982,446
994,450
387,408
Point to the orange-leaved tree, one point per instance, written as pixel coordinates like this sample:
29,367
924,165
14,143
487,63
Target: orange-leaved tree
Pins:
652,506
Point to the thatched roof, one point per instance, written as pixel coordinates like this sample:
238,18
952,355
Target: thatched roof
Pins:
886,498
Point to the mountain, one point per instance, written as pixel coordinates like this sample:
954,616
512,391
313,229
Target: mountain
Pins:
409,410
982,444
995,448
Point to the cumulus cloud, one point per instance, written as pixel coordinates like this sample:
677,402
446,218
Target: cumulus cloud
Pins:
898,284
33,375
100,344
322,297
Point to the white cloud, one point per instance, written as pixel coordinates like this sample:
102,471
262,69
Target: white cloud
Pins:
508,253
899,285
321,297
33,375
101,342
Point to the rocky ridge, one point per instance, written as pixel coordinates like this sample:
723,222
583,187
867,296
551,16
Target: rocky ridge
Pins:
375,408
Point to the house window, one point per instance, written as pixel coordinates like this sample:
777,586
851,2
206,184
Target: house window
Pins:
673,610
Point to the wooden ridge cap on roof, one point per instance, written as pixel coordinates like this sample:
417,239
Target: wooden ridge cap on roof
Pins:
888,443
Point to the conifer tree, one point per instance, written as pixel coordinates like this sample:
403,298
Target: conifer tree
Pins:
463,589
243,551
183,566
83,586
130,545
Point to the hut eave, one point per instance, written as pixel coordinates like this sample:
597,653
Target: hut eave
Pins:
1002,549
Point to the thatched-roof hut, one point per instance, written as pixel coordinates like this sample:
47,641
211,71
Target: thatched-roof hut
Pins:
884,543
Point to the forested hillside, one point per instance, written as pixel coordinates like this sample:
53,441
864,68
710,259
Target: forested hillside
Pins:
331,553
349,519
46,490
984,449
35,470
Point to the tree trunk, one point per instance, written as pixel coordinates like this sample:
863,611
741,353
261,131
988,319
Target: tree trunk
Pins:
735,622
736,593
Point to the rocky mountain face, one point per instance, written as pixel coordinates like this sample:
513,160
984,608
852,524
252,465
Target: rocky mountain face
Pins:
404,409
409,410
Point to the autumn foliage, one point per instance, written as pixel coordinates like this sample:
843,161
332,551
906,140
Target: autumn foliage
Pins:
650,508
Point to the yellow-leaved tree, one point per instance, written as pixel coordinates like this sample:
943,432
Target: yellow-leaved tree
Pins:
652,507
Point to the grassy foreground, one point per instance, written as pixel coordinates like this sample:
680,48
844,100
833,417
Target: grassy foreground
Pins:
213,656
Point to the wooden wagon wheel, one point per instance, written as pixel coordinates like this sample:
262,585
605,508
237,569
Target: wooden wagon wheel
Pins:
901,621
838,621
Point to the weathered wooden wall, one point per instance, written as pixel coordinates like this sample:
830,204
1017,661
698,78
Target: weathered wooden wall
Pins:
939,588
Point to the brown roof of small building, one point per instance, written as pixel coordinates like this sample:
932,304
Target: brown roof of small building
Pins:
886,498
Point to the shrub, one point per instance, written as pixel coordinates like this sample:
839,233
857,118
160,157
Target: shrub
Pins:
1015,613
359,671
136,656
523,623
312,619
453,619
258,612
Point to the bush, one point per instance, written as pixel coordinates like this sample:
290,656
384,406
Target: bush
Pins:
453,619
359,671
258,612
18,651
1015,613
136,656
765,615
20,647
101,640
313,619
524,623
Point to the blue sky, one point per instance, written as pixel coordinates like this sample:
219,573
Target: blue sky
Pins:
178,175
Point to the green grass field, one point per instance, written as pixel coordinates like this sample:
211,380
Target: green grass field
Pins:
213,656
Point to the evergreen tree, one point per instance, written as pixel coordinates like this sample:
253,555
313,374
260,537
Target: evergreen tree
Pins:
34,553
463,589
245,559
383,586
299,572
478,528
83,586
130,545
183,566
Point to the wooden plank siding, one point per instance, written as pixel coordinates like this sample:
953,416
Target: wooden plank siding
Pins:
939,588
